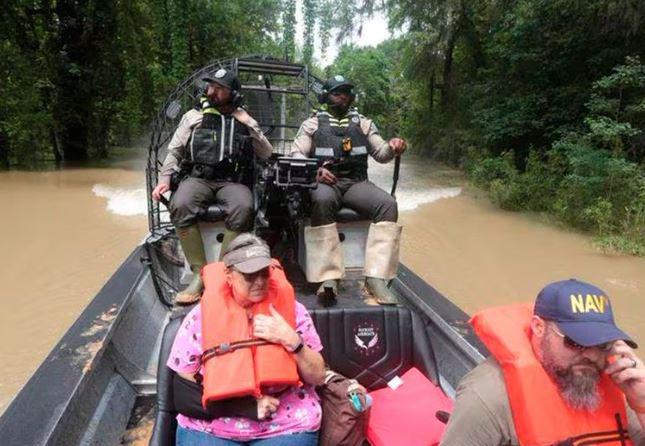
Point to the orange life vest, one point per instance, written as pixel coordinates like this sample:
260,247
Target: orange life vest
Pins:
540,415
249,370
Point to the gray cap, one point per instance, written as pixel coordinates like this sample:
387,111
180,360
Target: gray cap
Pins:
247,253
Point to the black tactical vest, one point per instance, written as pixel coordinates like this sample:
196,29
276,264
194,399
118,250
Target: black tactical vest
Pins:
219,148
343,144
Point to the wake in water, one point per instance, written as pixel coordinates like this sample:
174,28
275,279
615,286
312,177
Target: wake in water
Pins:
120,201
413,189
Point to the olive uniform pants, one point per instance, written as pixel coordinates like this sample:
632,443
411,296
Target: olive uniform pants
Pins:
194,195
362,196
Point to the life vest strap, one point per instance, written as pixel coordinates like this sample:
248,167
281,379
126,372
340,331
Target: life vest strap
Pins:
229,347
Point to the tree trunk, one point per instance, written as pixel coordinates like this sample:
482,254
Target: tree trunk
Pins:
446,95
4,151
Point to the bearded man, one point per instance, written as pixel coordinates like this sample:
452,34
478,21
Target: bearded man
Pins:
217,142
561,373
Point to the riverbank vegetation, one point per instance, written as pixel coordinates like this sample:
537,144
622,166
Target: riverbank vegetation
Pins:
541,102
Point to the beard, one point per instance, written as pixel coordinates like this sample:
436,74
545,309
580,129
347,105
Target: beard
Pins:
579,389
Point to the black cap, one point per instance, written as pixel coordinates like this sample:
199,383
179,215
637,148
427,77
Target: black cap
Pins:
225,78
338,82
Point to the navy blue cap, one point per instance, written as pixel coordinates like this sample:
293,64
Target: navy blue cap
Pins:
581,311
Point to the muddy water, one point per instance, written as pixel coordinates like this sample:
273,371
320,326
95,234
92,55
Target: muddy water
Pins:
478,255
60,244
63,233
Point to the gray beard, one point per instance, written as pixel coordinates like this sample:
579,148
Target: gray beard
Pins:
579,390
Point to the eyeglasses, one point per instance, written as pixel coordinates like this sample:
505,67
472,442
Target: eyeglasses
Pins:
573,345
252,277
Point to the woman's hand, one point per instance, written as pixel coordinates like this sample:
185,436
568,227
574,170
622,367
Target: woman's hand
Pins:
628,372
275,329
267,406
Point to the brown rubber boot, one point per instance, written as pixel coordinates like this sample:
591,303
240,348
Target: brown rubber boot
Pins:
379,290
193,247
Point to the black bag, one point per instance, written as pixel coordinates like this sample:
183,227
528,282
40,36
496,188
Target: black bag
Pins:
188,401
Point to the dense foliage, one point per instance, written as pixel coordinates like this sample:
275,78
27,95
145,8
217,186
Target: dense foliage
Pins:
77,76
541,101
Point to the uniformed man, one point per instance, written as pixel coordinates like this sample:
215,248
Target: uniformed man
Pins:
342,140
214,145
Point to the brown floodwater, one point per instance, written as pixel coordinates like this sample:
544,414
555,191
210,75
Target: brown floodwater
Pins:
64,232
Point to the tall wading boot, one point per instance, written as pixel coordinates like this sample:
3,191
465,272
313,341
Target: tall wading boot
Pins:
324,260
382,260
191,242
229,236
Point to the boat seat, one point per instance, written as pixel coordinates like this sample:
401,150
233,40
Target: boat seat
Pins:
163,433
213,213
374,344
369,344
347,215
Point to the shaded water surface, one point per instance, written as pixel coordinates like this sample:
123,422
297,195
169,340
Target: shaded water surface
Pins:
63,233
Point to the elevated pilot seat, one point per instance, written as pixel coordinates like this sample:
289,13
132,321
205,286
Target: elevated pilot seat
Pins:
370,344
352,230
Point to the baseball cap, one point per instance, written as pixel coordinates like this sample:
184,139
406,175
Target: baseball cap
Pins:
247,253
225,78
338,82
582,311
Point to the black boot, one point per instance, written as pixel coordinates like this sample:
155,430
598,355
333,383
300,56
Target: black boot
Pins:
327,293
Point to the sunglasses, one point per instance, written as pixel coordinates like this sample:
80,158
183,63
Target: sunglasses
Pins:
573,345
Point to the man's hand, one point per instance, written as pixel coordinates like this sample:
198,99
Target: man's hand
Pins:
275,329
267,406
158,191
398,145
325,176
628,372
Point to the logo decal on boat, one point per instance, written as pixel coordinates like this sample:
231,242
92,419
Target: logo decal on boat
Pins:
366,338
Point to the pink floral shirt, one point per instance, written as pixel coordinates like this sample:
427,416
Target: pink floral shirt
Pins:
299,409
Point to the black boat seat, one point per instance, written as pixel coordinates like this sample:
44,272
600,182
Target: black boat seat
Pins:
213,213
374,344
164,431
370,344
347,215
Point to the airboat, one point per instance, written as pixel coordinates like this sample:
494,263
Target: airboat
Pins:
106,383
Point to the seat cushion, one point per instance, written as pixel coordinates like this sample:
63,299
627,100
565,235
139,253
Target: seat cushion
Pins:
406,415
347,215
374,344
213,213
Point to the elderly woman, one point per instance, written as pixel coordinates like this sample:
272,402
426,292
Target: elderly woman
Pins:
256,352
